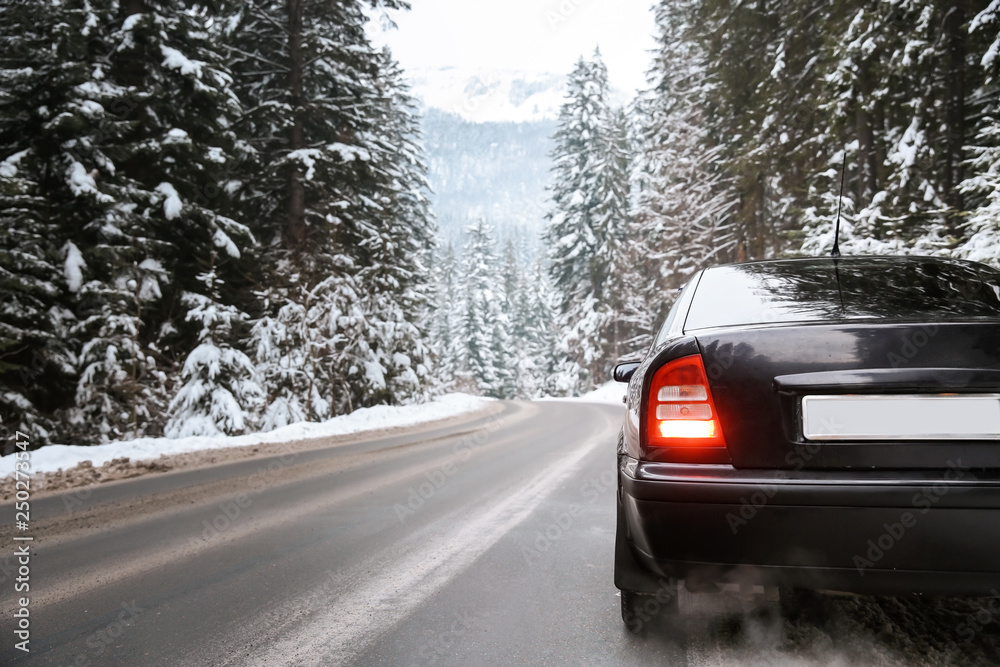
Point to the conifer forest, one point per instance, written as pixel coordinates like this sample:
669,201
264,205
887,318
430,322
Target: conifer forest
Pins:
216,217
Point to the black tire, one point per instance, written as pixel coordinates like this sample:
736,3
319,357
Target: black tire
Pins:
639,610
630,605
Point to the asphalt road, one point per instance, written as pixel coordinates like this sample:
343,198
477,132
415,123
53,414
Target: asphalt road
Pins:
486,542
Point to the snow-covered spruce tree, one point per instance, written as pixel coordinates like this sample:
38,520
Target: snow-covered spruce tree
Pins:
117,129
309,327
120,392
538,336
484,356
756,96
614,216
219,394
44,61
907,98
445,315
586,224
280,347
982,187
335,187
34,356
684,201
394,256
516,306
735,46
882,109
530,328
162,174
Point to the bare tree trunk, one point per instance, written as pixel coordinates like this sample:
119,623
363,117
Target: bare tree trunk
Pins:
867,184
756,217
295,228
955,34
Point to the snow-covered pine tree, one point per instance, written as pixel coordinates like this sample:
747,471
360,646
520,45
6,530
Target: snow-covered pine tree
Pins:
787,144
539,326
34,356
121,393
220,393
613,215
394,258
165,89
336,211
118,128
589,193
982,186
444,316
736,46
43,101
516,306
883,95
905,99
684,201
279,344
484,356
30,273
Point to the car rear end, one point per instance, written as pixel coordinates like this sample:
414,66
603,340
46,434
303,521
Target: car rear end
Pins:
820,424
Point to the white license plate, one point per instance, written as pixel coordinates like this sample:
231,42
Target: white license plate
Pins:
901,417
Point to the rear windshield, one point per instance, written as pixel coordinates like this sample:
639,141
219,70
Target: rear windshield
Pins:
852,288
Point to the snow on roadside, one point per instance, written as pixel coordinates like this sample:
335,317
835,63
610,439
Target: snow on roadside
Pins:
55,457
611,392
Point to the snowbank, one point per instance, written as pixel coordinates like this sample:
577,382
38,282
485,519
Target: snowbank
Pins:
611,392
54,457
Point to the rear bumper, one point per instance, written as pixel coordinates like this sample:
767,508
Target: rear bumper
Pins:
889,533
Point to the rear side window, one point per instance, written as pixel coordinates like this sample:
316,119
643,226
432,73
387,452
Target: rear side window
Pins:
671,325
853,288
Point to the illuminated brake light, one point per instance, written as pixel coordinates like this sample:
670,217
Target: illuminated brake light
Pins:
693,429
681,412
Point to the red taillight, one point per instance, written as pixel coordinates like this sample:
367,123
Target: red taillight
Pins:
681,411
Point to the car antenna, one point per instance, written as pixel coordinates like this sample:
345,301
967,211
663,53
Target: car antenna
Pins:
835,253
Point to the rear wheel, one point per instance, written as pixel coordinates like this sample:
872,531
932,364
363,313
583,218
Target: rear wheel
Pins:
639,610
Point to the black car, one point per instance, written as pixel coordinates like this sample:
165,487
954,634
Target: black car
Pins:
816,424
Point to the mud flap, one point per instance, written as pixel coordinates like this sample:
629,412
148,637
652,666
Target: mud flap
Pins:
630,575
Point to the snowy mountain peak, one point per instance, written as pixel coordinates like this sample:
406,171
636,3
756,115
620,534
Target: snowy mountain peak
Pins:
490,95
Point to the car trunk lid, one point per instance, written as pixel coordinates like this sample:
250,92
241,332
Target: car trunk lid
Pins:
761,378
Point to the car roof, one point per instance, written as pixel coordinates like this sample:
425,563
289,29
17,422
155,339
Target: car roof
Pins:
823,289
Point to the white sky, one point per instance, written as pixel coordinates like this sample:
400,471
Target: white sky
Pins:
530,35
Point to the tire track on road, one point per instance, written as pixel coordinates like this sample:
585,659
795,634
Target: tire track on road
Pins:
341,630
